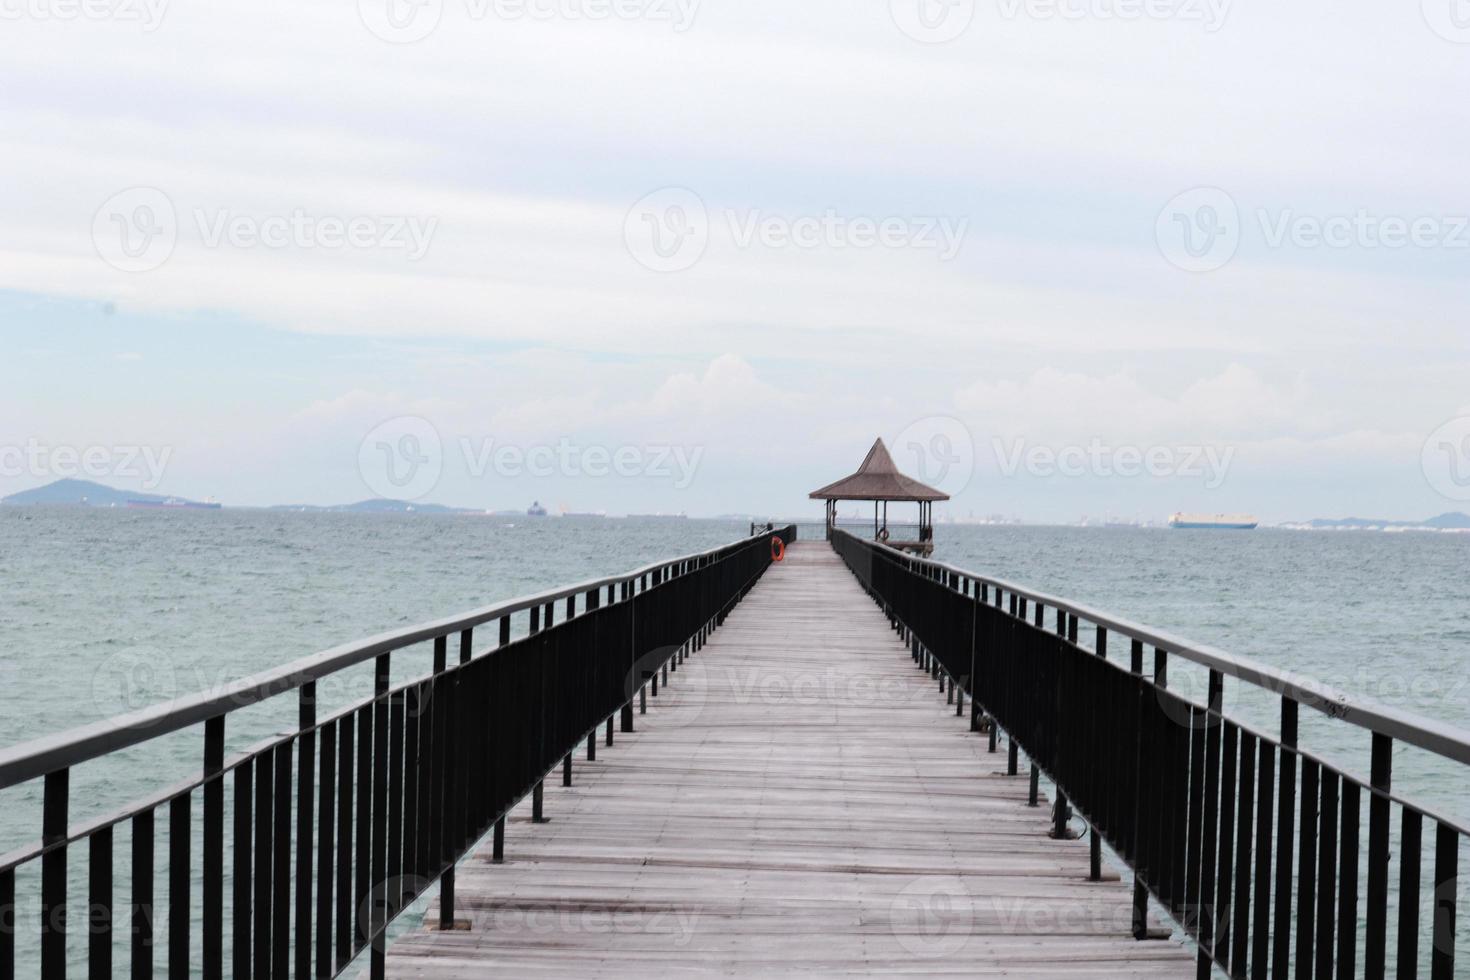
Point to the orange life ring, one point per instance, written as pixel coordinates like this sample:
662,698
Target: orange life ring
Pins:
778,549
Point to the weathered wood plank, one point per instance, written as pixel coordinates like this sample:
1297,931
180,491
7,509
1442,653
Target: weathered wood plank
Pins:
797,800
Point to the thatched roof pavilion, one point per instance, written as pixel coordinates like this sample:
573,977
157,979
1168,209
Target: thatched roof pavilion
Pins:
879,480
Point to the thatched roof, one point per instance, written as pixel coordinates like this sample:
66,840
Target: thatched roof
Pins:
878,479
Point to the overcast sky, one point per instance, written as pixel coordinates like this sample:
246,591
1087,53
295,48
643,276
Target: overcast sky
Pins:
1071,257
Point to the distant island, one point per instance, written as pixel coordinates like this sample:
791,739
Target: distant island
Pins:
72,492
1453,521
85,493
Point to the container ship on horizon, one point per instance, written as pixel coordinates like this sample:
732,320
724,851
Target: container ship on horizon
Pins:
1213,522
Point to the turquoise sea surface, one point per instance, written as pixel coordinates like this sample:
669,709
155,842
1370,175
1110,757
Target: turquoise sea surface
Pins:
104,611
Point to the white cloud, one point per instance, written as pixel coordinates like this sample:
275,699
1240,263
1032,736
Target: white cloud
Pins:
527,142
1234,403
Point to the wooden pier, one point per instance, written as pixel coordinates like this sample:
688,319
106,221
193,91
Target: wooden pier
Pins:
798,798
792,791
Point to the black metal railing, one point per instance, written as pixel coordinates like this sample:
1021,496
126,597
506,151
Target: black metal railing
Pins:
817,530
1256,847
785,530
383,796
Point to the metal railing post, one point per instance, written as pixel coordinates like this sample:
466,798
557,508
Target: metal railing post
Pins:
1140,867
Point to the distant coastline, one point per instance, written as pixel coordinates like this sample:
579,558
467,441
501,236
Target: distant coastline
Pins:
1454,522
85,493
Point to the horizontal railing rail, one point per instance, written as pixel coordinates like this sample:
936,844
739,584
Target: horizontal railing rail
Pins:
1255,847
817,530
376,801
787,531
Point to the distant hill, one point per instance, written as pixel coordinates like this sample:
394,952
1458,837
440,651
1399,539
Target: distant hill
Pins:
1453,521
81,493
85,493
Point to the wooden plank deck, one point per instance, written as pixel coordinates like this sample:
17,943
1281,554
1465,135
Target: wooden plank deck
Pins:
797,801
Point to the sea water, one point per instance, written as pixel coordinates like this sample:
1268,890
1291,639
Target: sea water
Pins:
105,611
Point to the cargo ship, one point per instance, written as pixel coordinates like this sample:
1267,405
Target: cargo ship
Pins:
172,503
1213,522
536,510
